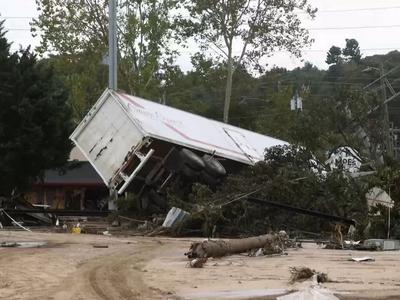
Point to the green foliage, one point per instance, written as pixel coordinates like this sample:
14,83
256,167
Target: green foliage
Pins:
334,55
257,27
128,203
35,119
289,175
352,51
76,32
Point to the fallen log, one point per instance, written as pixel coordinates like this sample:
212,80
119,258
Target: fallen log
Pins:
218,248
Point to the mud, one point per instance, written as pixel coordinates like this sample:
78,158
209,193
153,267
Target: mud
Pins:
69,267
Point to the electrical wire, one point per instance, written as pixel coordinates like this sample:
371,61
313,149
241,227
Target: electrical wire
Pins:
355,27
345,10
311,28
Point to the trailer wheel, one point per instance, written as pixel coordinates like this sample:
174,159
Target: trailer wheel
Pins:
213,166
208,179
158,199
151,201
144,201
192,160
188,172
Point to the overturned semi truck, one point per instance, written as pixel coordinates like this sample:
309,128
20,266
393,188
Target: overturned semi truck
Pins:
136,143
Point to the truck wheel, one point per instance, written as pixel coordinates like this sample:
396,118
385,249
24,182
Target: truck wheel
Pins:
158,199
188,172
192,160
208,179
144,201
213,166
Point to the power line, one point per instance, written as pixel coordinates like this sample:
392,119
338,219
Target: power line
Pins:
355,27
358,9
312,28
8,18
18,29
362,49
319,11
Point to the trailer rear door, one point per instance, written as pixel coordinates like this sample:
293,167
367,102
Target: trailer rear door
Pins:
106,136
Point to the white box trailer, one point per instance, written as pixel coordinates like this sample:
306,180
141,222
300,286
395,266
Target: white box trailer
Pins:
128,139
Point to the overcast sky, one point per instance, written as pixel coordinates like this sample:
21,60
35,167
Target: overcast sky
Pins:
378,29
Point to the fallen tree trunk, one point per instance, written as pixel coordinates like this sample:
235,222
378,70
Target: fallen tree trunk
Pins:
218,248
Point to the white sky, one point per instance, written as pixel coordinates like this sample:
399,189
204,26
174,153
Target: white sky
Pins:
372,40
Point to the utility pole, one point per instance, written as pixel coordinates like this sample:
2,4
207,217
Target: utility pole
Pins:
112,45
112,72
388,140
384,83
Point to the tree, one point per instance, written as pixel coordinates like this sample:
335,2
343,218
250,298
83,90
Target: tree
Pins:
352,51
288,175
334,55
256,27
35,119
76,32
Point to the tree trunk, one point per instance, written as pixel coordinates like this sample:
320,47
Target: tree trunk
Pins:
218,248
228,90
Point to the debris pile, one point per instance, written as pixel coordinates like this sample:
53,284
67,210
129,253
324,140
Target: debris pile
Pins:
303,273
198,262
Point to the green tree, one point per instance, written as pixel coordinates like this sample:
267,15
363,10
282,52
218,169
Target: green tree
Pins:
35,119
288,175
352,51
334,55
77,32
256,27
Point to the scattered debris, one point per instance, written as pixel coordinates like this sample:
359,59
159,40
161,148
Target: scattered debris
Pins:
382,244
76,230
106,233
198,262
304,273
218,248
100,246
175,218
377,196
13,221
312,290
350,244
131,219
8,244
361,259
333,245
145,226
22,244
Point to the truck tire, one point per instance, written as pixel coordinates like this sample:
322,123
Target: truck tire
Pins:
144,201
158,199
188,172
213,166
191,159
151,201
208,179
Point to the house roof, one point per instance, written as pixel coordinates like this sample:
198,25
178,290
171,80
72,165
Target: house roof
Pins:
76,174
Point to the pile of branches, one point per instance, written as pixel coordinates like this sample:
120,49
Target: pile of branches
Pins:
290,175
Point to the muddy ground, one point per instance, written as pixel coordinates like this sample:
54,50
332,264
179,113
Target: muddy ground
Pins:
70,267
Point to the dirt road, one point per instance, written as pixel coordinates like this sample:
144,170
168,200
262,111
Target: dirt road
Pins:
69,267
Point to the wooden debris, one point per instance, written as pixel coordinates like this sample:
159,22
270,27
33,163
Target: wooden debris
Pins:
100,246
198,262
304,273
218,248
